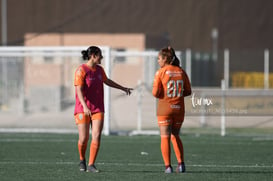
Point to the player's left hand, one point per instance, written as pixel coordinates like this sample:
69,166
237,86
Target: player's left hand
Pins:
128,91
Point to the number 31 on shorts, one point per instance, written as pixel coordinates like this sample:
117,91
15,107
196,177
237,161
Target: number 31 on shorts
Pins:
175,88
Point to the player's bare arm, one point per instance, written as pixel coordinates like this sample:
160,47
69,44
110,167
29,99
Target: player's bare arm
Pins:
81,99
113,84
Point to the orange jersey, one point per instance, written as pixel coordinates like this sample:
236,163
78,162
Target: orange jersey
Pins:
171,85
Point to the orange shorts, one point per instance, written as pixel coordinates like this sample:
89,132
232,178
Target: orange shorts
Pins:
175,121
81,118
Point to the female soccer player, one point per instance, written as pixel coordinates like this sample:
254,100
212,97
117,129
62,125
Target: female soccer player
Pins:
89,105
171,85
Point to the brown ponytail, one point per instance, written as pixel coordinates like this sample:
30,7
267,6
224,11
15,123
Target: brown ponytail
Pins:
169,53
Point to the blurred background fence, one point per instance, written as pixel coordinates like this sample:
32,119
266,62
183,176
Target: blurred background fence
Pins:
39,81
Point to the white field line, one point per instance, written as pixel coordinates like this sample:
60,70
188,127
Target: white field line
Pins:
58,140
37,130
255,137
263,139
32,140
131,164
260,141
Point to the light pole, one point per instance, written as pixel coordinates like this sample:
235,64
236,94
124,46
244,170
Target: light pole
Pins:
214,36
4,22
4,43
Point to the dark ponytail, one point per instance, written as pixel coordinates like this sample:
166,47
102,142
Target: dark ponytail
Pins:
85,55
175,61
92,50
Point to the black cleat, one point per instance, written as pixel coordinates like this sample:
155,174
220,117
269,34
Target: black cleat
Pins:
181,168
92,168
82,166
169,170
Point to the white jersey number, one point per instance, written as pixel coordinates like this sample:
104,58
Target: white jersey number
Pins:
175,88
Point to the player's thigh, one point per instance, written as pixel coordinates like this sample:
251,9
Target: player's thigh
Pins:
83,130
83,123
177,124
97,124
165,130
164,123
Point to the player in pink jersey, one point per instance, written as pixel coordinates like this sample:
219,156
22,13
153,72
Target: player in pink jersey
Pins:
89,105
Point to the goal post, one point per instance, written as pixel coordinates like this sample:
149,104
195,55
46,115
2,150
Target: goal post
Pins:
107,92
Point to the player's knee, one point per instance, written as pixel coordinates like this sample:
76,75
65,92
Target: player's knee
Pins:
96,136
173,137
83,140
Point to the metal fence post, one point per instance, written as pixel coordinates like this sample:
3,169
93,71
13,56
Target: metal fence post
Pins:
266,69
188,63
226,68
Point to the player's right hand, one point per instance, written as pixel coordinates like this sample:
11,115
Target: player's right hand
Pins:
87,111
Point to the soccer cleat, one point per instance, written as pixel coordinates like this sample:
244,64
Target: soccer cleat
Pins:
169,170
82,166
181,168
92,168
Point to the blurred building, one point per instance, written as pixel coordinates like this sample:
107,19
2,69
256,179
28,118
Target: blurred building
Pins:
241,24
206,27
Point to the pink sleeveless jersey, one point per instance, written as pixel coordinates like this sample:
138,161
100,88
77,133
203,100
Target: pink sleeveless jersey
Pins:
92,82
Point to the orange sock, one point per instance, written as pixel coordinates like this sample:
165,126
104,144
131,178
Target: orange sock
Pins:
82,150
94,148
165,149
178,148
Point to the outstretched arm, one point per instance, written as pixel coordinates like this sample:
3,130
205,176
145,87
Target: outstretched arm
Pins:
113,84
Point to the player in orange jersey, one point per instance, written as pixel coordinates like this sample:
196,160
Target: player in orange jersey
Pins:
171,85
89,105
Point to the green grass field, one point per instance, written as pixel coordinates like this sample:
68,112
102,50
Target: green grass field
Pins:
32,156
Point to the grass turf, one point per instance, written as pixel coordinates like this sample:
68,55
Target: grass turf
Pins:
208,157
